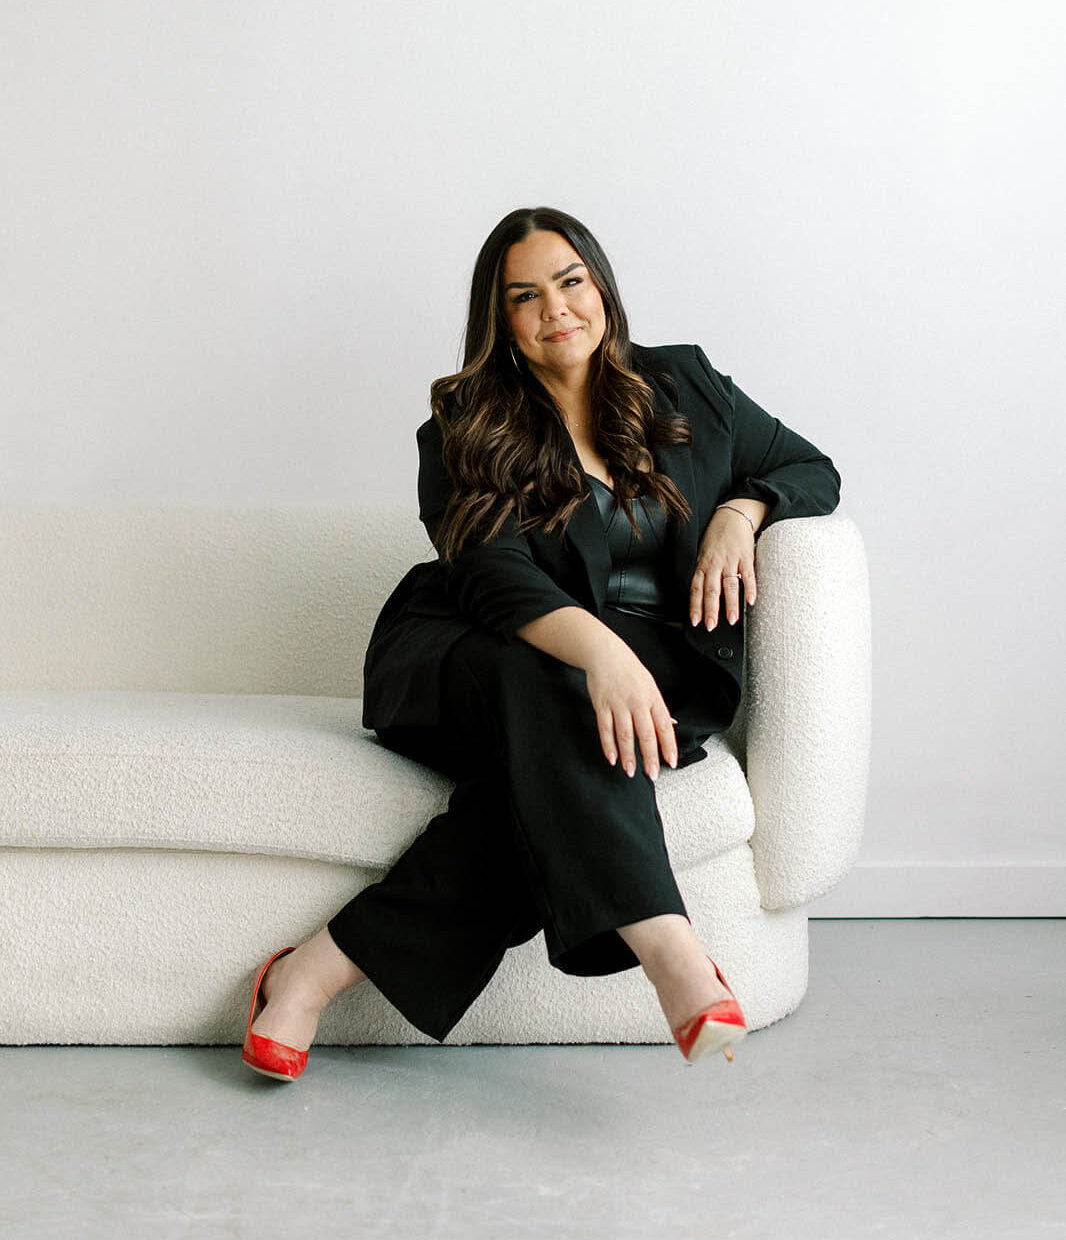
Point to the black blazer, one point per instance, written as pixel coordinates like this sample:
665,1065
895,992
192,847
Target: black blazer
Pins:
738,451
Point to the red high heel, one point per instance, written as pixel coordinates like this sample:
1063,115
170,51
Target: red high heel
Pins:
716,1028
283,1063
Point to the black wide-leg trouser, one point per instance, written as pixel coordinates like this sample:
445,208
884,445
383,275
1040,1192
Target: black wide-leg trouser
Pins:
540,831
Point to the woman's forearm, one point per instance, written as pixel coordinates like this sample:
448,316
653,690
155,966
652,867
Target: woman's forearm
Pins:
631,717
573,635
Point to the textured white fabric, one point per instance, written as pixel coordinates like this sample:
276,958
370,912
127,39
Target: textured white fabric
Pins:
145,947
808,707
276,775
185,785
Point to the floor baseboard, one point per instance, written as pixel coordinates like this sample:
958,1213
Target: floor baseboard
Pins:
947,891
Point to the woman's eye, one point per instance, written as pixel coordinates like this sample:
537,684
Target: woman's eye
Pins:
522,297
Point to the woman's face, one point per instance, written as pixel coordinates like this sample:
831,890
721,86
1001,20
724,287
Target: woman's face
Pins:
554,311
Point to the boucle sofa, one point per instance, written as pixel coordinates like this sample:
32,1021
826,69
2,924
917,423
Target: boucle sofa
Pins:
185,785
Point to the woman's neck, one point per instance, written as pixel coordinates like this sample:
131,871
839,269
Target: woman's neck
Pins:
573,396
577,415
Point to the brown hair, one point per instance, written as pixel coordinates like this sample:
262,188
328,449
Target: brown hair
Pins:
506,446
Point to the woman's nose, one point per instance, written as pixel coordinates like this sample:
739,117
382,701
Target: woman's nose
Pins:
555,303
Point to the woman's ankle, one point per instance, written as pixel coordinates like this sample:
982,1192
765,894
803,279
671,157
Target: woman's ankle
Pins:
666,946
325,968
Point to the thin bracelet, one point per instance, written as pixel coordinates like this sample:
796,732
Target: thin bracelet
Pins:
742,513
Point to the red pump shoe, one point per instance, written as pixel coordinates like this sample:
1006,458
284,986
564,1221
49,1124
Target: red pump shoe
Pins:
283,1063
716,1028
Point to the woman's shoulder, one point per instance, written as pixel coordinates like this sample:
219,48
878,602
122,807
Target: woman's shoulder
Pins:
665,354
690,370
428,433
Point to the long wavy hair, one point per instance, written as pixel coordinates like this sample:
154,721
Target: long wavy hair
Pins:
505,442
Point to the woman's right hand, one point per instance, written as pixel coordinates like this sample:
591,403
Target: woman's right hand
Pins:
630,711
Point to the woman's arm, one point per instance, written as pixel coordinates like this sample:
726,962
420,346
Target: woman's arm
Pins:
629,708
769,460
776,474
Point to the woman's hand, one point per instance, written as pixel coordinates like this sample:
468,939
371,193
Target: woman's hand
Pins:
726,559
630,711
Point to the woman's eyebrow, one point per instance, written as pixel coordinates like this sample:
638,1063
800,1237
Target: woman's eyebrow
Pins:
558,276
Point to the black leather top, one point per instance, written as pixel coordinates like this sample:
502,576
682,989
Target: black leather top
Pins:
636,581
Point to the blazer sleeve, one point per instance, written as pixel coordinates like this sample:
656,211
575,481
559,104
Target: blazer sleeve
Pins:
498,584
772,463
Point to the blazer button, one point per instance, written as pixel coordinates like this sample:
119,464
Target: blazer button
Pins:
725,652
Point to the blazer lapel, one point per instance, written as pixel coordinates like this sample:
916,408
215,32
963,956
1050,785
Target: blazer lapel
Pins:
586,536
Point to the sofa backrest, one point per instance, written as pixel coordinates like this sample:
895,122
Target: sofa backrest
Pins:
199,600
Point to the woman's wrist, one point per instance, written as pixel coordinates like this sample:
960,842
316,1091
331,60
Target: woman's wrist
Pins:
752,510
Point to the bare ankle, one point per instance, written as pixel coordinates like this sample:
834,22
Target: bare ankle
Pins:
325,969
666,946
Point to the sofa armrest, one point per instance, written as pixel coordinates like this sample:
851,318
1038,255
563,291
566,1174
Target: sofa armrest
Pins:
808,706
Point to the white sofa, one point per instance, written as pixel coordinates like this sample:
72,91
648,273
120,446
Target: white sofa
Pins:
185,785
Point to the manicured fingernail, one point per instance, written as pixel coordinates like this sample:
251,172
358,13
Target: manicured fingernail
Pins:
631,769
673,763
612,758
653,776
695,619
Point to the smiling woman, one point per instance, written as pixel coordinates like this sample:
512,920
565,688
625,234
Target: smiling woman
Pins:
557,321
595,506
544,306
553,309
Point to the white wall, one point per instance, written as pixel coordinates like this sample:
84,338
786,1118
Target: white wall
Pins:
235,240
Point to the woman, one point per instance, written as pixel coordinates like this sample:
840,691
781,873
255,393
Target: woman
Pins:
594,505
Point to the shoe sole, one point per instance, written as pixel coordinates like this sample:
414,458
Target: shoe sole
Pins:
715,1036
277,1076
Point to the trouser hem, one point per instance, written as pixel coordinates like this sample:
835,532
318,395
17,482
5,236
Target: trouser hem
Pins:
603,951
384,977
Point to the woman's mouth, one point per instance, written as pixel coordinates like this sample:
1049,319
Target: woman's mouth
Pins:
555,337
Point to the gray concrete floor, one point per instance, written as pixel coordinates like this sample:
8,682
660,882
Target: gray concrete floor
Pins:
919,1091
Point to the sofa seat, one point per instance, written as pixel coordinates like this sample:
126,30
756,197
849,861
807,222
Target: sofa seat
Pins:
268,811
265,774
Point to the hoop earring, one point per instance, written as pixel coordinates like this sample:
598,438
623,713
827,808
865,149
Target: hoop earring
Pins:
514,358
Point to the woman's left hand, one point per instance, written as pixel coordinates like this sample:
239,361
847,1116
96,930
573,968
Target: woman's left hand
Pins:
726,560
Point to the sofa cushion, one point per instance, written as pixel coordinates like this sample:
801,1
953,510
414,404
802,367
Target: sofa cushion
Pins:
273,774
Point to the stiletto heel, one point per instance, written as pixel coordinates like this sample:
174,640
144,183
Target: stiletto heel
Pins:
718,1027
283,1063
